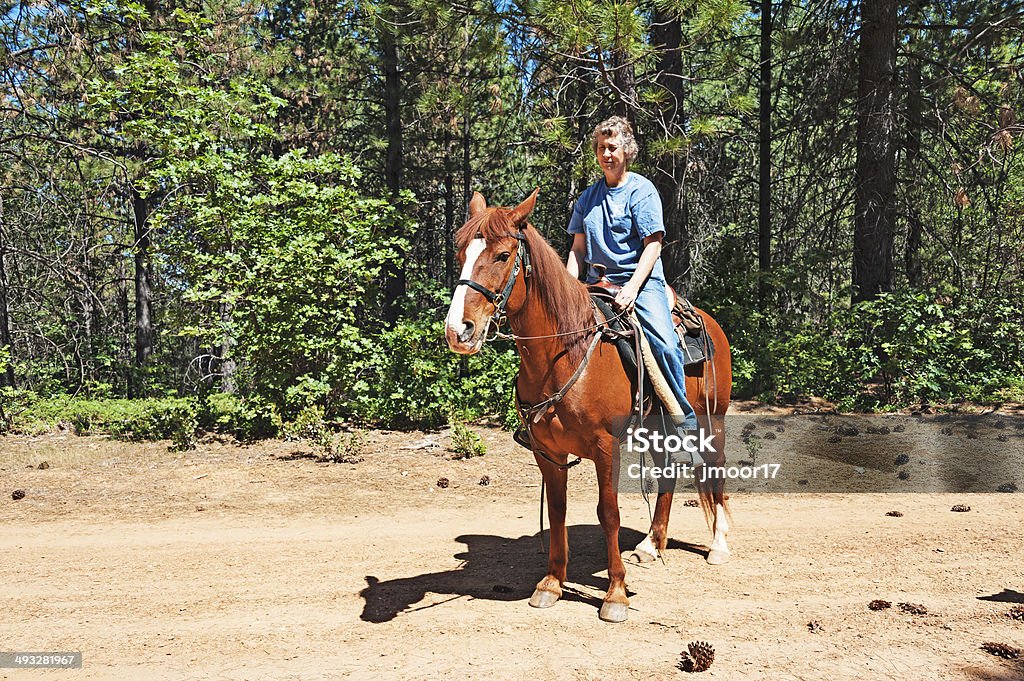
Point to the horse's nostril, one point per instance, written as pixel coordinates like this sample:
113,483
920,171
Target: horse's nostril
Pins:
468,332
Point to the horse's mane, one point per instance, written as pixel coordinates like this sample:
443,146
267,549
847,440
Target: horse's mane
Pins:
564,299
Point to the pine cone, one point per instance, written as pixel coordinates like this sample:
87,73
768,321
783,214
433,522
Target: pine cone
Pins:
894,514
913,608
443,483
960,508
18,494
485,481
902,460
691,503
1016,612
1001,650
879,604
698,657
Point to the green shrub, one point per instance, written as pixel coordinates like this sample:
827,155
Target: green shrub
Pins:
465,444
245,419
334,447
170,418
900,349
409,378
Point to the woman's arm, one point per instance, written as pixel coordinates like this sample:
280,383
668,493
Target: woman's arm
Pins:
577,255
648,258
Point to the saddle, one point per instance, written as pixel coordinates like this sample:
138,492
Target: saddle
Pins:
693,337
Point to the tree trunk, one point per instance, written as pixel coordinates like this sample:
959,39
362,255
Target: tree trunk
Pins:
912,257
876,152
764,215
228,366
144,334
624,78
394,272
7,375
449,210
467,172
671,169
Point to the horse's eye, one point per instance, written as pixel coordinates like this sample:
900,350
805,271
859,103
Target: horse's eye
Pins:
502,257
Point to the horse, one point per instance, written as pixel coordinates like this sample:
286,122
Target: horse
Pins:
508,270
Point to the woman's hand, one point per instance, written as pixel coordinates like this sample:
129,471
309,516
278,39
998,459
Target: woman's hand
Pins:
626,298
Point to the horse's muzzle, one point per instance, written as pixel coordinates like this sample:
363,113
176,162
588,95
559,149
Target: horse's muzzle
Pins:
463,342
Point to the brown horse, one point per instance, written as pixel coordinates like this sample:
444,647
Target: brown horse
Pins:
509,269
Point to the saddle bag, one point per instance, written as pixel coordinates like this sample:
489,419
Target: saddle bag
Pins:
693,338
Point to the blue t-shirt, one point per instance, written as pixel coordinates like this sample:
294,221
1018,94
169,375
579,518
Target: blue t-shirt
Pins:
615,221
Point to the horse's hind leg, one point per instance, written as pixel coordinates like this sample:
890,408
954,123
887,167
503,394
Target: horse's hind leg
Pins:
615,607
549,589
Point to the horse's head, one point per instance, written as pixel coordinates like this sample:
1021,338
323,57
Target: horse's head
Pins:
493,255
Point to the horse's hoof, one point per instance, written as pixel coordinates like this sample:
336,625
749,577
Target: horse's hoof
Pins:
645,551
543,599
718,557
614,612
637,556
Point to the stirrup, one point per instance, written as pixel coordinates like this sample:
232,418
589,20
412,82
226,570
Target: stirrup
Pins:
522,437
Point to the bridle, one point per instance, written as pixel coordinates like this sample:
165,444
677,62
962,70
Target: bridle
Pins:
500,299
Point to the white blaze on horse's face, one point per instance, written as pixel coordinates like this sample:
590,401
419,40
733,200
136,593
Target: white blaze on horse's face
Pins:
457,332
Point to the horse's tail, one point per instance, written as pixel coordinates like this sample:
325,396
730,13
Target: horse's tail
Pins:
709,393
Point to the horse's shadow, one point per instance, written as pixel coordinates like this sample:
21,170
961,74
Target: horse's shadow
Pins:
501,569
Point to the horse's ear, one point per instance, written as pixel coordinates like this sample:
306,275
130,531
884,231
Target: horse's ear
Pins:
523,210
477,204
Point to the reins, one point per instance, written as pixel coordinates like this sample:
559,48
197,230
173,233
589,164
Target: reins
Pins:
599,326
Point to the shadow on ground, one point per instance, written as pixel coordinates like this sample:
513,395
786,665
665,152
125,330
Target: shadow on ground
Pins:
1004,596
503,569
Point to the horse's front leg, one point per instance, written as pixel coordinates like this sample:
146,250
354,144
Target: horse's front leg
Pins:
653,545
549,589
615,607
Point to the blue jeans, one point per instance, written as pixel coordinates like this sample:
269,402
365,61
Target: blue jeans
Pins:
656,319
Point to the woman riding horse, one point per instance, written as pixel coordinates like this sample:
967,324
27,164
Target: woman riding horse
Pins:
574,386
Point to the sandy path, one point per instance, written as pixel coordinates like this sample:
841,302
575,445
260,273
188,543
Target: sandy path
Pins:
238,563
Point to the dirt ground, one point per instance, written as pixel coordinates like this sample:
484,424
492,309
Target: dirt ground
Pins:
259,562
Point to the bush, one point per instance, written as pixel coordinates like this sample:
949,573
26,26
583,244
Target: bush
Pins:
410,379
465,444
244,419
928,348
337,448
900,349
171,418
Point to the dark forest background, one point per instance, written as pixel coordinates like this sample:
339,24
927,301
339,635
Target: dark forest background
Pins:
240,214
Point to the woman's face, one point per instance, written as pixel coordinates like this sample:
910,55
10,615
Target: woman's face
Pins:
611,155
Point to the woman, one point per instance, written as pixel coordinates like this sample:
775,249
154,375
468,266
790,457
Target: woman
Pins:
617,223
